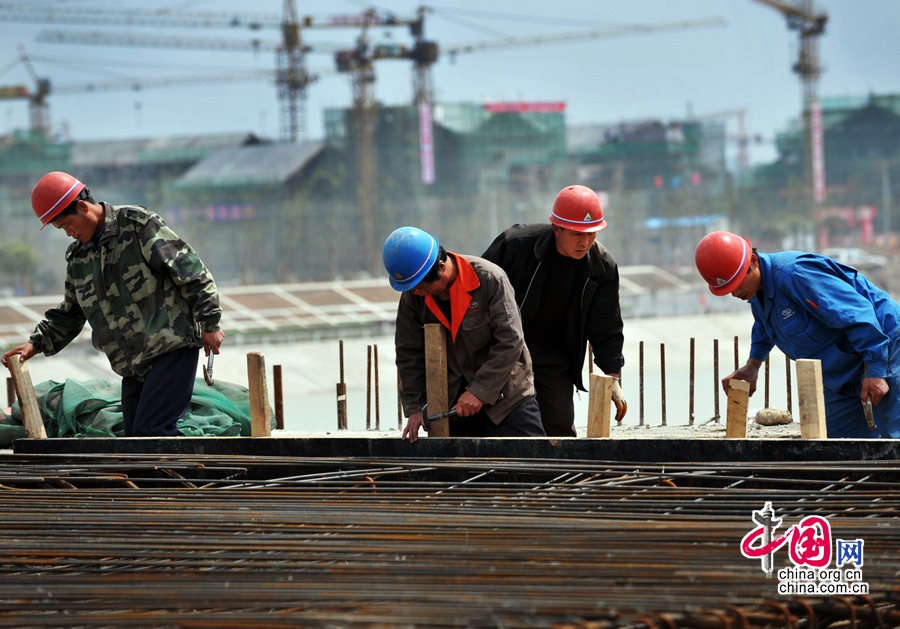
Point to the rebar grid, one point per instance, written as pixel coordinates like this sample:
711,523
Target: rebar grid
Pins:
240,541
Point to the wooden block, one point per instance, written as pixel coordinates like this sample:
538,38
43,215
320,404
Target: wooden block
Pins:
599,405
31,412
811,395
436,377
260,414
738,399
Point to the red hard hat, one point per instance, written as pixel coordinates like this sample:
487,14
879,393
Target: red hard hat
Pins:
723,259
52,194
578,208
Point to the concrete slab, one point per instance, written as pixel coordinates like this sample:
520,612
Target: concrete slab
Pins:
617,450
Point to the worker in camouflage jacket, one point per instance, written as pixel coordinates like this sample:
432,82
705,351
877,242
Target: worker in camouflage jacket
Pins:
149,299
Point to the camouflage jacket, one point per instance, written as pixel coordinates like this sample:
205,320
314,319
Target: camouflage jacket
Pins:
142,289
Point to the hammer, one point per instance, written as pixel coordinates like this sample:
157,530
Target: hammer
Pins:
207,369
433,418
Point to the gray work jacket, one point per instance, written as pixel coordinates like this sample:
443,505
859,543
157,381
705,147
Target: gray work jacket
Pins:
489,351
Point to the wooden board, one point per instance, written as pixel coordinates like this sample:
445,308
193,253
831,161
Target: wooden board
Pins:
811,395
599,405
31,412
738,400
436,377
260,413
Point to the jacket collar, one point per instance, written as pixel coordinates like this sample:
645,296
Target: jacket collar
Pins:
110,229
466,281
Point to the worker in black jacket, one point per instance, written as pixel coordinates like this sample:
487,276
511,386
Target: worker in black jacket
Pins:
567,289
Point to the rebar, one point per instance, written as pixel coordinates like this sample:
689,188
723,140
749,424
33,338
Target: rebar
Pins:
248,541
279,397
691,391
368,387
377,396
716,415
399,404
641,383
662,379
787,377
341,390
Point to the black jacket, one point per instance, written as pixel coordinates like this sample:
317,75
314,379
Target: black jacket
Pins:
520,251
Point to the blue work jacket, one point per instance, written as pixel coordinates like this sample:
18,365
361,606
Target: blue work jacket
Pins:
813,307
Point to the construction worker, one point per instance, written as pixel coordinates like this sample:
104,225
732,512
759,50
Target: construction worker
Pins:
567,288
811,306
490,382
150,301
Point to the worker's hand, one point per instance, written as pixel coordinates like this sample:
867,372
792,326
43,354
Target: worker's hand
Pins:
468,404
618,398
212,341
413,424
876,387
749,373
24,351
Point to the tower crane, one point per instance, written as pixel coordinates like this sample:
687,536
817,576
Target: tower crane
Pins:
358,61
810,24
38,108
291,75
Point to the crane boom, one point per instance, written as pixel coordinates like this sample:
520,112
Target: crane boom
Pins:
175,41
42,14
626,30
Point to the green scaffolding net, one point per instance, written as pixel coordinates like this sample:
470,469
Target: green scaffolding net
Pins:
93,408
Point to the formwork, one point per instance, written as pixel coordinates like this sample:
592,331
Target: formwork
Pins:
377,532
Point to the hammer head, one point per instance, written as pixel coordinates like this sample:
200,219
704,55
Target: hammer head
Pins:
208,370
428,420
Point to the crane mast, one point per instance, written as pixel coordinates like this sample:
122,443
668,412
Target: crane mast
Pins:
802,17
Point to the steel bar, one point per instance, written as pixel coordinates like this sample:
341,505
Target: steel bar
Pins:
662,379
377,386
252,541
716,415
787,376
641,383
279,397
368,387
691,392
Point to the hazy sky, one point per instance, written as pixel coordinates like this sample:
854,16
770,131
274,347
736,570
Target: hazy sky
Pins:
745,65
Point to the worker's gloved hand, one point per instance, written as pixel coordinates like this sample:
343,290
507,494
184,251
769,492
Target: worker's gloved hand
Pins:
618,399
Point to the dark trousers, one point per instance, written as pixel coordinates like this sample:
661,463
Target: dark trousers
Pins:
153,407
524,420
554,391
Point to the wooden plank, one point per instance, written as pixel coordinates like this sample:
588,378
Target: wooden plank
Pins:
31,412
260,412
738,400
436,377
811,395
599,405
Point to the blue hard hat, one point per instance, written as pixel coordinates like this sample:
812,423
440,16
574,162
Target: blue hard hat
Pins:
408,254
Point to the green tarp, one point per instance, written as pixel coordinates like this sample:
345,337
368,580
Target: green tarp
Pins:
93,408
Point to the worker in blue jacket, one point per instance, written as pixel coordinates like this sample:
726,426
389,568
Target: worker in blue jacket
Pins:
811,306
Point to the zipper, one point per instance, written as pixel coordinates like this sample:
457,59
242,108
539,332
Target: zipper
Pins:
530,282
